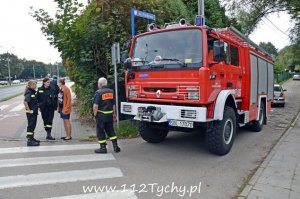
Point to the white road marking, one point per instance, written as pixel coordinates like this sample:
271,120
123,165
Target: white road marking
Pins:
48,148
59,177
118,194
55,160
2,107
18,108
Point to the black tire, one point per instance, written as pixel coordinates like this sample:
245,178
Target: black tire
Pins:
152,135
219,140
257,125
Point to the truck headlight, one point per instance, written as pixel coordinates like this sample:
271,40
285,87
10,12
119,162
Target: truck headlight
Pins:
192,95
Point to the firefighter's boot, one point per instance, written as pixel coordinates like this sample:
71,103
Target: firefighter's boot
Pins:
49,137
102,148
32,142
115,146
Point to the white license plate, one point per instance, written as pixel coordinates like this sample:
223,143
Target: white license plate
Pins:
179,123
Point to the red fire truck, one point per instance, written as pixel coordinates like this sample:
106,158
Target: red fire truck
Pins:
183,77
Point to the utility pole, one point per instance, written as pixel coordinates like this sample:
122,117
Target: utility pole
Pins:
201,7
8,60
57,71
33,70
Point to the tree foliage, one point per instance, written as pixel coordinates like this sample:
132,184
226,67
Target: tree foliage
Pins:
269,47
84,35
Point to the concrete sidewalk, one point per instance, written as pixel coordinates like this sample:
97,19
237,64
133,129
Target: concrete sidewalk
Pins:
279,175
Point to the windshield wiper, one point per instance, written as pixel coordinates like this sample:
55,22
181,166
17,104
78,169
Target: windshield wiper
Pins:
175,60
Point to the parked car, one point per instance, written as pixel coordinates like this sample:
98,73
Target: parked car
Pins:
279,96
296,77
16,81
4,82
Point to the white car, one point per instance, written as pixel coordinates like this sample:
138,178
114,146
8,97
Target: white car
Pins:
296,77
3,82
279,96
16,81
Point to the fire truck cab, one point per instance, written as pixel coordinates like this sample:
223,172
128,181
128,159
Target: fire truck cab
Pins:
183,77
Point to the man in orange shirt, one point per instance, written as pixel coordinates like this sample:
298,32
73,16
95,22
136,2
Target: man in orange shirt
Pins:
65,107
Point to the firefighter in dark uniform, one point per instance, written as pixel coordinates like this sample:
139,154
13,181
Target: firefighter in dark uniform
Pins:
31,107
47,105
104,111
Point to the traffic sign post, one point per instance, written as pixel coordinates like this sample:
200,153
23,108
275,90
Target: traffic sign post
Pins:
115,58
142,14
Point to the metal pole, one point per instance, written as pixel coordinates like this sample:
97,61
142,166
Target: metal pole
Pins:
8,60
116,91
201,7
33,71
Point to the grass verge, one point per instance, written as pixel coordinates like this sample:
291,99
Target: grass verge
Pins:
10,97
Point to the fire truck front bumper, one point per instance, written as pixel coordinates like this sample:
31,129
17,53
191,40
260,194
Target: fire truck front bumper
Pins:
164,113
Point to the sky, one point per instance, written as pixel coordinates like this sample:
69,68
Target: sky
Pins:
20,33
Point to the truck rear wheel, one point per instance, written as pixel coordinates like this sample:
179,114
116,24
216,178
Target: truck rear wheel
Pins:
257,125
220,139
150,134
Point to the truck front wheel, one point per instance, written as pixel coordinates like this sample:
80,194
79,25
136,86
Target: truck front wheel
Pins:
150,134
220,137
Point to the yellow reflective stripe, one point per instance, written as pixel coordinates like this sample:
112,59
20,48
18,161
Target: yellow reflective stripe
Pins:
113,138
29,133
32,95
49,126
28,111
101,141
105,112
41,91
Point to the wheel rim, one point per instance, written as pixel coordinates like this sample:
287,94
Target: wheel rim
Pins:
261,116
228,131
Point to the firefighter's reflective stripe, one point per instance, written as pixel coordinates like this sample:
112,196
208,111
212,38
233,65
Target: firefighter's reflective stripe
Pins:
48,126
105,112
41,91
29,111
29,133
32,95
113,138
102,141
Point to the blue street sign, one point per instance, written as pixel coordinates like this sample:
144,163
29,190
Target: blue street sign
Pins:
143,14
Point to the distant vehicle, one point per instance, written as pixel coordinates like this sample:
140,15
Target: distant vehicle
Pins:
3,82
296,77
16,81
279,96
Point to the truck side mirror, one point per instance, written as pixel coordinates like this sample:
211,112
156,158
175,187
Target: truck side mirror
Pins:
124,56
219,53
127,63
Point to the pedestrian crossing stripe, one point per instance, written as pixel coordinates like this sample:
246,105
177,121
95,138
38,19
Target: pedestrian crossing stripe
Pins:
118,194
48,148
17,108
55,160
2,107
59,177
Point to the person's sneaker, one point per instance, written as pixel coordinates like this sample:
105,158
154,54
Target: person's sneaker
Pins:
32,143
50,138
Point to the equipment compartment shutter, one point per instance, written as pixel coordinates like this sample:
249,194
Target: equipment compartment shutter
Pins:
270,81
262,77
254,74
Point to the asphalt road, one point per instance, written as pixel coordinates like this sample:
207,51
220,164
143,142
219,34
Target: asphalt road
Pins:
182,160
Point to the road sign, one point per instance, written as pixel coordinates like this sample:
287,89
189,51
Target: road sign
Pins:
143,14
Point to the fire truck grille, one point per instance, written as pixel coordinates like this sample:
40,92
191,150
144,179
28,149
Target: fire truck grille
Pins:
165,90
192,114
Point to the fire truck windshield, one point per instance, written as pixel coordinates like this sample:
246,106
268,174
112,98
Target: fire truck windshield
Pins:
168,50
